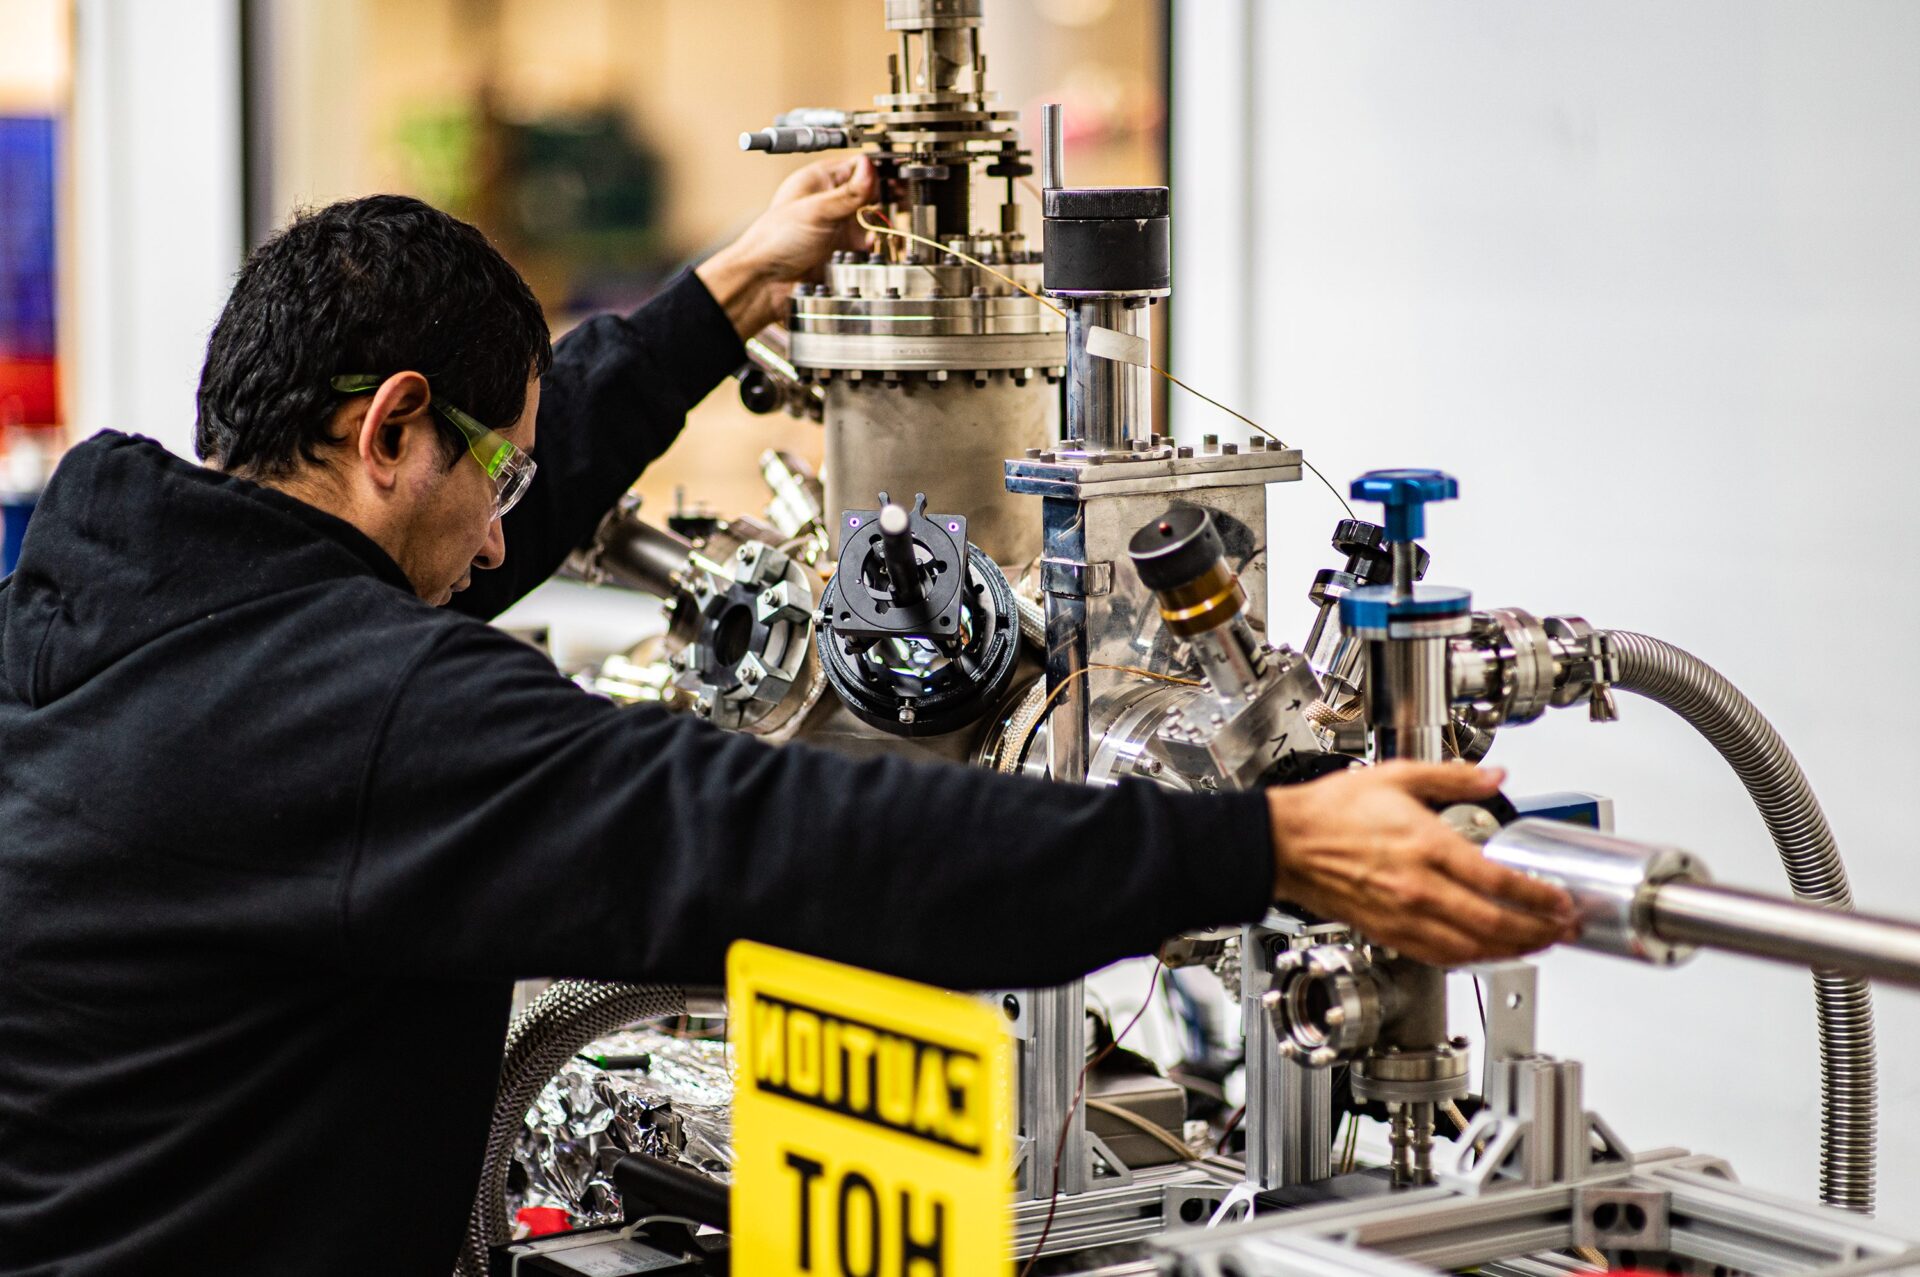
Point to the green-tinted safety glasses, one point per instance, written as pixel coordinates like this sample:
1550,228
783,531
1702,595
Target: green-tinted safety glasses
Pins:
510,469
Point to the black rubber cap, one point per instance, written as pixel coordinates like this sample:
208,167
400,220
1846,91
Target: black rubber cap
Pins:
1176,548
1105,203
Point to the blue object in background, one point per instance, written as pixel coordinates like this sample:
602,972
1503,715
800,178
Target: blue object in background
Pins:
26,236
14,513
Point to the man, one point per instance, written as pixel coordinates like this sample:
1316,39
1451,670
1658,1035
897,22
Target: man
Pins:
278,829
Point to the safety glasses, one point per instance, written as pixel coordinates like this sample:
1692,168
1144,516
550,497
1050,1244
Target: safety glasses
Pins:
510,469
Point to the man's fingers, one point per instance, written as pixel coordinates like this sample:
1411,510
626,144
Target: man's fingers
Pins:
853,190
1443,782
1497,925
1464,863
1429,940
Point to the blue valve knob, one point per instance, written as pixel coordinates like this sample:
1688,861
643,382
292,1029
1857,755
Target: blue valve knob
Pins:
1405,494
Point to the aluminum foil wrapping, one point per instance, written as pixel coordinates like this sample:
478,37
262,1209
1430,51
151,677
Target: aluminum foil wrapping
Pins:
677,1109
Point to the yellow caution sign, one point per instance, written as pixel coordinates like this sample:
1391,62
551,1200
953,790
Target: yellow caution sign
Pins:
872,1122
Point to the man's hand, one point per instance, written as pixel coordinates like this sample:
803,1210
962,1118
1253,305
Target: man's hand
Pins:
1364,847
811,217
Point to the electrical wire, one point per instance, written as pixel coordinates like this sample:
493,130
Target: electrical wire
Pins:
1079,1093
1046,706
1145,1126
1226,1132
1353,1144
861,216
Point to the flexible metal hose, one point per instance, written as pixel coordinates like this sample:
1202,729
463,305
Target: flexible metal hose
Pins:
1715,708
564,1018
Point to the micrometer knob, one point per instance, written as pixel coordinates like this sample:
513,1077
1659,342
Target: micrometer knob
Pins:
1405,494
794,140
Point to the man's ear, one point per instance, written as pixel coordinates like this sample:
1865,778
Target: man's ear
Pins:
387,440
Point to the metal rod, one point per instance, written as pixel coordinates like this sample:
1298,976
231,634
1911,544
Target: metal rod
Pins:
1787,931
1053,164
896,549
1406,565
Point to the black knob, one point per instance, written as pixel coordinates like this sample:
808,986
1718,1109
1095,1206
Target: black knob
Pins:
1357,536
1368,558
1178,547
758,392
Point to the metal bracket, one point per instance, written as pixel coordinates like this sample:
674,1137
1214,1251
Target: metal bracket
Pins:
1510,989
1117,1171
1072,580
1621,1218
1191,1205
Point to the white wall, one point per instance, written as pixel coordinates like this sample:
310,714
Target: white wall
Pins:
1646,277
157,204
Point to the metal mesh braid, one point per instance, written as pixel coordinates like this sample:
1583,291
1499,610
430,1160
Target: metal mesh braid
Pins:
564,1018
1716,709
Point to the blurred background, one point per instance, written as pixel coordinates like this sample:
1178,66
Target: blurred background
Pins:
593,140
1644,275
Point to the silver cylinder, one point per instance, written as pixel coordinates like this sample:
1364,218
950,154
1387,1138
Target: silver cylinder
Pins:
1407,697
1612,881
1108,399
1053,164
1224,655
1787,931
636,554
948,440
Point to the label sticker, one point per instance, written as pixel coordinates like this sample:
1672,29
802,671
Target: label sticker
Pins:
1125,348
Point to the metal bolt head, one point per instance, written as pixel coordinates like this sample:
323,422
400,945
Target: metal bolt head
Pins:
1321,1057
1334,1017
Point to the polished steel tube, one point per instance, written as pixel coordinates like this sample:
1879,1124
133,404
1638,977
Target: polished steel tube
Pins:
1407,698
1107,399
1787,931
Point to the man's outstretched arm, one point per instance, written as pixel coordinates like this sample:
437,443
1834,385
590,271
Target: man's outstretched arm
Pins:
513,825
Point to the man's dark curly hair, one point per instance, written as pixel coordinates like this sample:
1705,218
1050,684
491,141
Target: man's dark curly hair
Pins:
378,285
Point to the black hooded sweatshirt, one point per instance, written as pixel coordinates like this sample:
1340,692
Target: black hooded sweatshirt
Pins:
276,836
